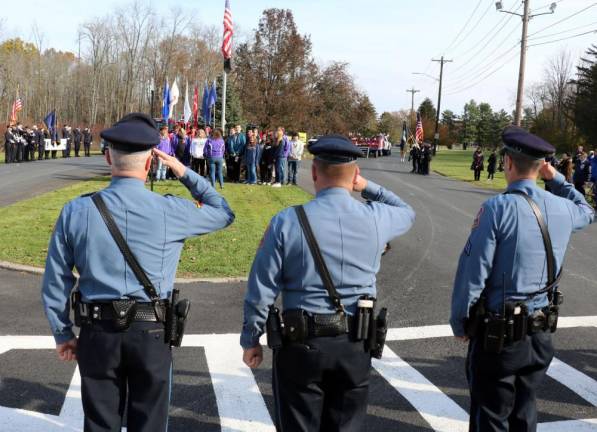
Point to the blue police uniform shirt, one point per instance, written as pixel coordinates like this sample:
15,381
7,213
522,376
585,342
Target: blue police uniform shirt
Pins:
505,248
352,236
155,228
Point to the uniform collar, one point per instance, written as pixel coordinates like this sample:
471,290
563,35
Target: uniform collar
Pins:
522,185
126,181
333,191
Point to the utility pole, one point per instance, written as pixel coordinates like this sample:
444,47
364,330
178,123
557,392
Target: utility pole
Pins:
439,101
526,17
412,92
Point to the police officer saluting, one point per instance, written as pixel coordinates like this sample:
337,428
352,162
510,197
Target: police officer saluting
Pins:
323,258
506,298
125,303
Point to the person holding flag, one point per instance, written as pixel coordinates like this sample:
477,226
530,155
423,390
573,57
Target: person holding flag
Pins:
403,141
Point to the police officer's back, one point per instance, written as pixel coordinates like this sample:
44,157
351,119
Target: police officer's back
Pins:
505,293
321,369
122,344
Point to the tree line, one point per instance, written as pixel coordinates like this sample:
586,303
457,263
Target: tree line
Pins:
124,55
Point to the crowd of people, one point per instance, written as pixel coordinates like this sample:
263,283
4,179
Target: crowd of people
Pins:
580,169
245,156
420,156
29,143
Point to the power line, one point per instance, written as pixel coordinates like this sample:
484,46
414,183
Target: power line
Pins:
564,31
489,58
493,72
474,55
564,19
459,82
475,26
464,26
563,39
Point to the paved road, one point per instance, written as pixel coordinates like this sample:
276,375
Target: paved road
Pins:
25,180
419,386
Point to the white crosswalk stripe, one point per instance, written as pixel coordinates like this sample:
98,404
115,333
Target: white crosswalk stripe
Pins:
241,406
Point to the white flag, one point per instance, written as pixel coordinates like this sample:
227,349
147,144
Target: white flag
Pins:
187,106
174,94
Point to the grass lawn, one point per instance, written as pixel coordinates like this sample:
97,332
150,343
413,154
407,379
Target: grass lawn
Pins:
25,227
457,164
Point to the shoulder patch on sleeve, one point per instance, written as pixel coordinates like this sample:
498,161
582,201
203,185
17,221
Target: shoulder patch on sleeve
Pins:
477,220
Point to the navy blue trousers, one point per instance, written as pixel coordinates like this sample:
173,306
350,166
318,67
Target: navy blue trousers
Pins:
131,369
503,386
322,385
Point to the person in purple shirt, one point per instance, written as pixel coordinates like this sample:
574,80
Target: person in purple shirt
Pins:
166,147
214,153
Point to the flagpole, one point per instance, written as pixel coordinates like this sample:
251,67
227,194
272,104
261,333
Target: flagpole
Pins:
224,102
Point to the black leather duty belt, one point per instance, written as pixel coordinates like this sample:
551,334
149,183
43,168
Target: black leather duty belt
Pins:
107,312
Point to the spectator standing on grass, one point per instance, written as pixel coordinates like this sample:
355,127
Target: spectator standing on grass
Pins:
491,163
565,167
214,153
250,157
166,147
477,165
593,163
282,151
294,158
183,150
581,172
266,163
197,146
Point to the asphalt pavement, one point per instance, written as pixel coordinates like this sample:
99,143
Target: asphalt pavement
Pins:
418,386
27,179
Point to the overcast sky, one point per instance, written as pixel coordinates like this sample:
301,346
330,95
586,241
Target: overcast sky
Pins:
383,40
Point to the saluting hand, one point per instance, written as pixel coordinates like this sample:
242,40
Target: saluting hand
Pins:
547,171
171,162
360,183
67,351
253,356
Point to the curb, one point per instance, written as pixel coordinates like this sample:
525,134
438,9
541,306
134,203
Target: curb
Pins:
40,271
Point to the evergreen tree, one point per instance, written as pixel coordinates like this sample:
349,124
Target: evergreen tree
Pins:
484,126
427,109
585,106
470,121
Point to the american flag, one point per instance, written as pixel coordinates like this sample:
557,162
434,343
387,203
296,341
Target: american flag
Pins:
16,107
228,32
419,135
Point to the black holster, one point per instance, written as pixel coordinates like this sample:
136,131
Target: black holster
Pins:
176,318
274,328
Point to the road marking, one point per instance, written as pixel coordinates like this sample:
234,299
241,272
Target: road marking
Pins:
580,383
241,406
441,412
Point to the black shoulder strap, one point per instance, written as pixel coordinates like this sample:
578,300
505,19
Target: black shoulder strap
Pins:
318,258
124,248
552,278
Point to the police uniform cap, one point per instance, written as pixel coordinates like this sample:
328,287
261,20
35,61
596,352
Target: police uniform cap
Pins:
335,149
132,133
519,141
